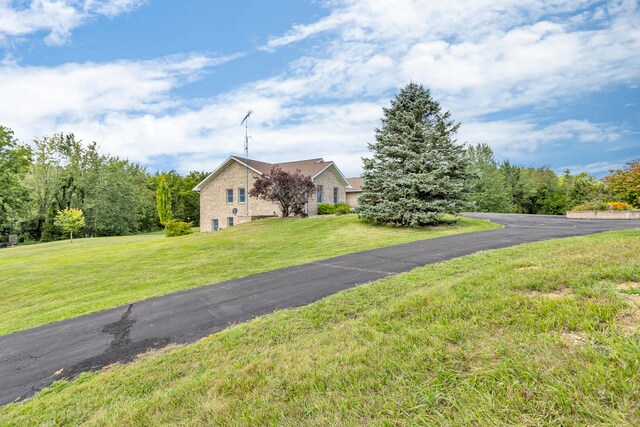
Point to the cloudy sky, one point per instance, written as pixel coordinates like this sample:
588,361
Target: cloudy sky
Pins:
166,83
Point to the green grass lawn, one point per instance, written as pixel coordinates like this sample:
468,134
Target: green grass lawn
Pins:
539,334
54,281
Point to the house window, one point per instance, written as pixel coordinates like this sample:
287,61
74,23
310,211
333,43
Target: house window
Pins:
319,194
242,198
335,195
215,225
229,196
230,221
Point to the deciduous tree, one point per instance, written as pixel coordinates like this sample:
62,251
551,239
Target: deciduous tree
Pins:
290,190
14,164
70,220
488,191
625,183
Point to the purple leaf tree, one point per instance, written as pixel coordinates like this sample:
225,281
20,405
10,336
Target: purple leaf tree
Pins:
291,190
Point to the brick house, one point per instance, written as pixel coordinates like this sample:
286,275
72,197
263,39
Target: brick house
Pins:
225,192
353,193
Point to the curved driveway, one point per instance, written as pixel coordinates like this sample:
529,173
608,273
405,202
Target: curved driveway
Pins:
33,359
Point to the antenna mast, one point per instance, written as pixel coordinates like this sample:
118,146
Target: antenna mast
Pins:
245,121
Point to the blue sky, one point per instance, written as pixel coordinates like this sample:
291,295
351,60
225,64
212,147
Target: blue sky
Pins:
166,83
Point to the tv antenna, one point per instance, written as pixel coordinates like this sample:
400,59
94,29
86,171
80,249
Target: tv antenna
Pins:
245,121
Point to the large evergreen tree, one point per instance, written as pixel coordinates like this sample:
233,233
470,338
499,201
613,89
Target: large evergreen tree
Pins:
418,173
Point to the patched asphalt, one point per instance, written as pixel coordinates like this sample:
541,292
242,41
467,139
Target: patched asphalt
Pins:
31,360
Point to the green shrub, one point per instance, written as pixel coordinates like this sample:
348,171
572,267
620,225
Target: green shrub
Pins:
175,228
592,206
342,208
603,206
326,209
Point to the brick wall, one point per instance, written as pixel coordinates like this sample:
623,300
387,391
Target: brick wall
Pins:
352,198
213,199
328,180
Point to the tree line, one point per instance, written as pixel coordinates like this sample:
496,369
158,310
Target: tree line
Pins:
58,172
504,187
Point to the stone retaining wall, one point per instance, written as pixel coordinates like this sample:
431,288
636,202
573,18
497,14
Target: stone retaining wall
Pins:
603,214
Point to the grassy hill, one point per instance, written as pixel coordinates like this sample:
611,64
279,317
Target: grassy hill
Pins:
539,334
54,281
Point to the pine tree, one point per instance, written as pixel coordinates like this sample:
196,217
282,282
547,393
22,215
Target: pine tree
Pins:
418,173
163,201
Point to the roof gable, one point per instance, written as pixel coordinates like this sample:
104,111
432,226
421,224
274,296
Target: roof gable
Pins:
256,165
336,172
226,163
310,167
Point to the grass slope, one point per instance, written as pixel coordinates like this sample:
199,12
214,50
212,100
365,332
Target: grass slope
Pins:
54,281
539,334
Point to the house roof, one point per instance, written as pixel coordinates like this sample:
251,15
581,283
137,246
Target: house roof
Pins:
309,167
258,166
356,184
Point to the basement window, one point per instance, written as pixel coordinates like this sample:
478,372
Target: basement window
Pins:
230,221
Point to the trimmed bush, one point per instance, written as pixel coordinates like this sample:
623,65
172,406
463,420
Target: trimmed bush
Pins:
175,228
326,209
342,208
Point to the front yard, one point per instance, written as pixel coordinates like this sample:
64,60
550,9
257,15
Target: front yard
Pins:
538,334
54,281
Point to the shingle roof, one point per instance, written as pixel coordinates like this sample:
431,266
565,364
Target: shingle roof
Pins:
262,167
356,184
310,167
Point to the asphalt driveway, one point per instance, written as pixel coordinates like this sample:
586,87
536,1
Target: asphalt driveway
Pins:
31,360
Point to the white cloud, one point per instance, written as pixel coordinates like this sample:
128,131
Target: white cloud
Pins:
57,17
478,56
516,139
583,131
41,99
114,7
412,20
301,32
595,168
202,138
